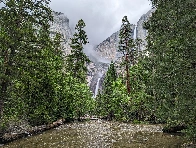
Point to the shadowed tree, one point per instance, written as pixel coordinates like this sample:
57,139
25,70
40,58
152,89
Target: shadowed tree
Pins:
126,47
77,60
172,58
19,21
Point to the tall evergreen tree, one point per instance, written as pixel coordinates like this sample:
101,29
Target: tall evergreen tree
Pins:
31,76
77,60
104,99
126,46
111,77
19,21
172,60
80,99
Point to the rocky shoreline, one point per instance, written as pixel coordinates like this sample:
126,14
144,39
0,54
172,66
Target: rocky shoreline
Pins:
15,132
25,130
22,132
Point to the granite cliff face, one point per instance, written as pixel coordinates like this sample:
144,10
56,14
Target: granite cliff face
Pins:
142,33
103,53
61,25
107,50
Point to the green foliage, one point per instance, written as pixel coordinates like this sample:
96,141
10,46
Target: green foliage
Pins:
129,48
126,42
77,60
33,85
111,77
126,45
104,99
26,52
113,100
113,105
75,99
80,100
171,47
141,108
133,102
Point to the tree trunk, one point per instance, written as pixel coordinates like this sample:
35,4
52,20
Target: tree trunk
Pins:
128,76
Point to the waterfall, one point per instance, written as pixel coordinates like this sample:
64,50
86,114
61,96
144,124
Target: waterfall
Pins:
97,88
135,32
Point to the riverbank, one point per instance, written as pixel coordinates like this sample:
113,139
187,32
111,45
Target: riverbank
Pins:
101,133
18,130
23,130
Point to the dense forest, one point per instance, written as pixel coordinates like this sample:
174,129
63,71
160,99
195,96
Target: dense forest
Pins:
39,84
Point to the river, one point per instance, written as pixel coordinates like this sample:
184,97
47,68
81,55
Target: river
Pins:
101,134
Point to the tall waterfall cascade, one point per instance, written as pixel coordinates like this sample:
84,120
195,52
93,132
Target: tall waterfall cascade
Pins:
96,88
101,54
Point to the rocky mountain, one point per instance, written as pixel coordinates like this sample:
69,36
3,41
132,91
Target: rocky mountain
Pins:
107,51
142,33
61,25
108,48
103,53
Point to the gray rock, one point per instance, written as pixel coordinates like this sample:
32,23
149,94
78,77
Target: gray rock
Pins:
61,25
142,33
109,47
107,50
104,53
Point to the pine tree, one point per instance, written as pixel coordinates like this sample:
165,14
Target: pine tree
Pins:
104,99
42,80
80,100
172,54
31,63
111,77
19,21
77,60
126,46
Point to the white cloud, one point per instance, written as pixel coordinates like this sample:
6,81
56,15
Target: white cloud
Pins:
102,17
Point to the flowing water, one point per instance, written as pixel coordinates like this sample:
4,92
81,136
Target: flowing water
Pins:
97,88
101,134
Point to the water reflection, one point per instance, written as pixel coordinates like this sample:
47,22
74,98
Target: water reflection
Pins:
101,134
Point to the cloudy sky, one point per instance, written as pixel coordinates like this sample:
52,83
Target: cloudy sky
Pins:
102,17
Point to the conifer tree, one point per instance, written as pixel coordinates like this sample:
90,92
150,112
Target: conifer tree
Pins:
77,60
19,21
104,99
172,54
31,62
111,77
126,46
80,100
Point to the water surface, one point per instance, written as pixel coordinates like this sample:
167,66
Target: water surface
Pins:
101,134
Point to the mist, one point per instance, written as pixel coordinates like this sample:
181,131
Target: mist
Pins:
93,55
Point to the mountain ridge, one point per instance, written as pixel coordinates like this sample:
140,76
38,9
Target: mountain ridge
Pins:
102,54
